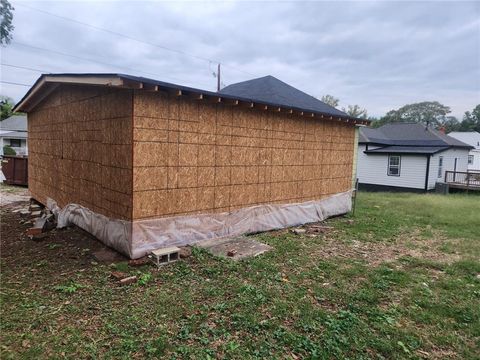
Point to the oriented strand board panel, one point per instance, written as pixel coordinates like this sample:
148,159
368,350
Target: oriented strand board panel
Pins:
80,149
192,156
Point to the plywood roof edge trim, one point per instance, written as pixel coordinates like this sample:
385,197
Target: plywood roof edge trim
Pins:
191,93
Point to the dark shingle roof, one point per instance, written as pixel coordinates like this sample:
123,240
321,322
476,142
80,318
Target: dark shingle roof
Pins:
407,150
271,90
408,134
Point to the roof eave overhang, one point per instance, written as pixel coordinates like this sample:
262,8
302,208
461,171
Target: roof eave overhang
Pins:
49,82
403,152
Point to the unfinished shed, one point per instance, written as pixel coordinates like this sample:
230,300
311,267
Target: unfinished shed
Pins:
143,164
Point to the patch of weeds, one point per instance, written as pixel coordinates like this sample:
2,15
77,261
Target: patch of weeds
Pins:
184,333
326,266
30,304
384,277
157,347
182,268
402,346
42,263
464,267
53,246
121,266
252,294
232,346
129,345
200,254
69,288
144,278
339,334
411,262
222,306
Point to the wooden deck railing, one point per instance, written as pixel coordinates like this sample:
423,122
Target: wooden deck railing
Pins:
463,179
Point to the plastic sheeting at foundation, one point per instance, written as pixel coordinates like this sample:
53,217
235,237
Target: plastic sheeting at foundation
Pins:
136,239
113,233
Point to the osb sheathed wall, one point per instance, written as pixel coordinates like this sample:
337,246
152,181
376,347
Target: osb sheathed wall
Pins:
197,157
80,149
188,156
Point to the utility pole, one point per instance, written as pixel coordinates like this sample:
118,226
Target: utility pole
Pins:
218,77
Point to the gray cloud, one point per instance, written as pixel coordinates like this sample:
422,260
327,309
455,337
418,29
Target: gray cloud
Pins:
380,55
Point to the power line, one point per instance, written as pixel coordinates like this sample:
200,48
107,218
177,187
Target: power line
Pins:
98,28
14,83
94,61
116,33
25,68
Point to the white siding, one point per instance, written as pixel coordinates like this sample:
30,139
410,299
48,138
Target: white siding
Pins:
22,150
471,138
448,164
372,169
476,160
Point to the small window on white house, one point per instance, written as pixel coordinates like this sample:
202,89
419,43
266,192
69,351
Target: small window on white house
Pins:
15,143
440,166
470,159
393,165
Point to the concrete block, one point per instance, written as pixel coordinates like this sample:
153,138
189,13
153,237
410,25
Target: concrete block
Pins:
165,255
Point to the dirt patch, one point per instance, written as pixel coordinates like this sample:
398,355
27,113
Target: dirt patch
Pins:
238,248
408,243
12,194
65,249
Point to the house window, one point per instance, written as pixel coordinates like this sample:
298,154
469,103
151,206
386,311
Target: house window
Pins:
15,143
393,165
470,159
440,166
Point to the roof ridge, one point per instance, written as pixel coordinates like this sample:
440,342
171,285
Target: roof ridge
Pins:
277,88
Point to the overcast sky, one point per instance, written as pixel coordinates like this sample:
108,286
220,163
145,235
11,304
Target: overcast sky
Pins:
380,55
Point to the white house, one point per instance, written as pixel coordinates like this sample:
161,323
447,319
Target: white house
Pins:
407,157
13,132
471,138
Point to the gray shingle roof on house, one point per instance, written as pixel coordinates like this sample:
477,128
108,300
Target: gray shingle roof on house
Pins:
408,134
14,123
470,137
272,90
13,134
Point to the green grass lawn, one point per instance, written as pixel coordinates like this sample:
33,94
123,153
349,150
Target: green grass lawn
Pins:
400,279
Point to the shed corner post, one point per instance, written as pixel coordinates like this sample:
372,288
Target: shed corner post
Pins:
355,157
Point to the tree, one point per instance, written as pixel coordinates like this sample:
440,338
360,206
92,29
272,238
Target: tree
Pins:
431,112
6,106
471,120
356,111
330,100
450,124
6,18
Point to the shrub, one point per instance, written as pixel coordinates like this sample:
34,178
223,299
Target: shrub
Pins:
7,150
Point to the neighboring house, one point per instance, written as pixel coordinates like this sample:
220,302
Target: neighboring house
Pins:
143,164
13,132
407,156
471,138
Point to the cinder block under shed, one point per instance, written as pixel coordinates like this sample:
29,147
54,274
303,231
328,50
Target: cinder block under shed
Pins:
142,164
